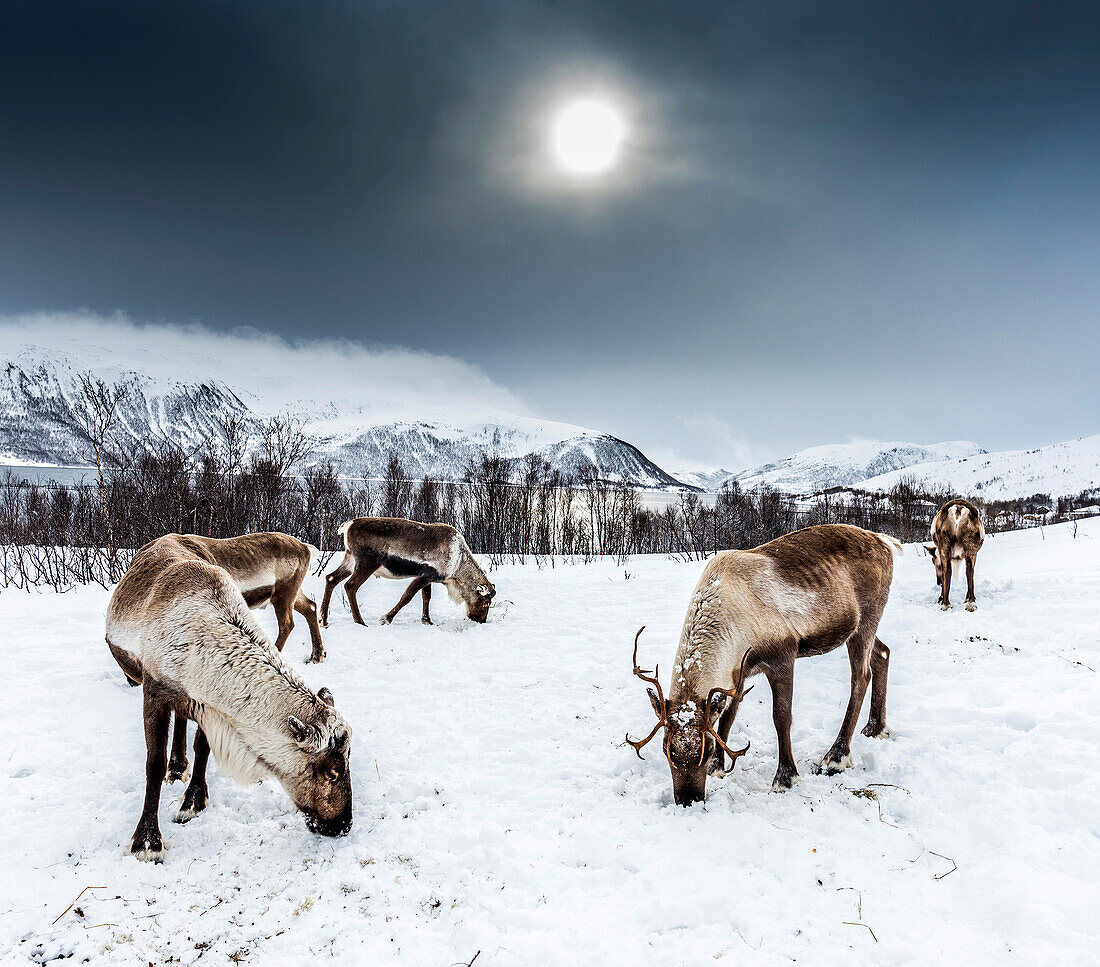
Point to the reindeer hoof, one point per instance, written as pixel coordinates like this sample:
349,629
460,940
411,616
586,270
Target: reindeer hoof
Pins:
386,619
876,730
944,607
834,764
971,605
148,848
323,624
315,659
425,621
177,772
187,813
783,781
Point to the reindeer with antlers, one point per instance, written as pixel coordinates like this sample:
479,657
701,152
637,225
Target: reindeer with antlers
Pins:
755,612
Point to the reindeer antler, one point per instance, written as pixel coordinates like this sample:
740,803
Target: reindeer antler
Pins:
651,678
737,694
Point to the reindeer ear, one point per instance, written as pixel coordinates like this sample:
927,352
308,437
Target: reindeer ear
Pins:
931,549
655,701
298,728
326,696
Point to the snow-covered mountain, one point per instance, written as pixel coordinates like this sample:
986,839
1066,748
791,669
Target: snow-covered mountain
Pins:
705,478
846,464
1058,469
186,395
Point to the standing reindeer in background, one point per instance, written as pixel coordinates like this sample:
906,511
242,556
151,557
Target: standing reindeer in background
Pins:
755,612
957,535
393,547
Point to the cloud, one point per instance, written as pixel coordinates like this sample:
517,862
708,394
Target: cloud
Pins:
262,368
706,441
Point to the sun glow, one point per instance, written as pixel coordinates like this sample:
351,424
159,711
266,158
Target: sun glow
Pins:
587,137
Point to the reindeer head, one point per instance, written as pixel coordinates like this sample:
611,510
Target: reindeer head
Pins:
937,561
690,740
321,785
476,597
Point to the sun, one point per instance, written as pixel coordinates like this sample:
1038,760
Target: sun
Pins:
587,137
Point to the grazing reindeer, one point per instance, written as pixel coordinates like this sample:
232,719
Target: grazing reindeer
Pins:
755,612
178,625
268,569
957,534
393,547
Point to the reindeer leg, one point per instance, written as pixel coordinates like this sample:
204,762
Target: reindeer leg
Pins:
781,680
177,764
838,758
350,589
332,579
308,609
426,594
971,602
416,584
880,667
945,587
195,799
146,843
283,604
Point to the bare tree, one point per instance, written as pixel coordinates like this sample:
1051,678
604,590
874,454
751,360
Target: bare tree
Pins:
396,488
284,443
96,418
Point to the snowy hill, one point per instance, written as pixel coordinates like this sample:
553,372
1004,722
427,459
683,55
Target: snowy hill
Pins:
1058,469
434,414
845,464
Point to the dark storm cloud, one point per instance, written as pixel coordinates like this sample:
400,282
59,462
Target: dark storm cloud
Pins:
820,193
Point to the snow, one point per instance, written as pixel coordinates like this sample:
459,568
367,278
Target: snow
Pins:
497,809
1059,469
846,464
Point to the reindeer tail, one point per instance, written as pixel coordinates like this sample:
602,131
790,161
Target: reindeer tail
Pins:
893,543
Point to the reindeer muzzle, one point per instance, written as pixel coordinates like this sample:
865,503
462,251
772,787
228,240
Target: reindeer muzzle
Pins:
337,826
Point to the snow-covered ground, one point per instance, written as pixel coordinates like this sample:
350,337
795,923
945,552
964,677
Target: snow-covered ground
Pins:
498,811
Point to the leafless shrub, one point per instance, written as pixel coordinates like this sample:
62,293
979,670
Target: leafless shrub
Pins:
243,480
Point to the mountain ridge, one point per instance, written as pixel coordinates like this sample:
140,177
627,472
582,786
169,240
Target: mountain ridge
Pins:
40,400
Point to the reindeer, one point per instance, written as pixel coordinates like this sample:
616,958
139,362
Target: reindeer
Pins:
393,547
755,612
957,534
268,569
178,625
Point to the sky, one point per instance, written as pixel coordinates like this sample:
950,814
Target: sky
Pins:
826,221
